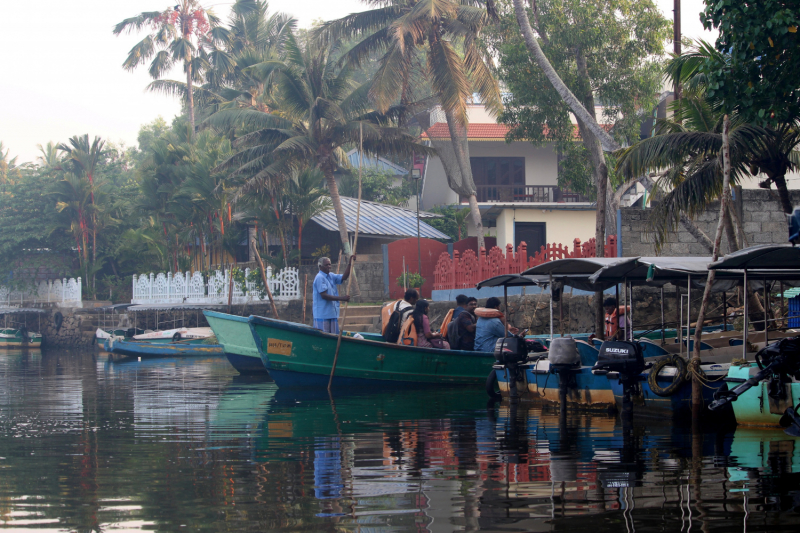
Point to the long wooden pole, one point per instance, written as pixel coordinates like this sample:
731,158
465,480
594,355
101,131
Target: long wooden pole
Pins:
264,278
697,386
305,292
355,247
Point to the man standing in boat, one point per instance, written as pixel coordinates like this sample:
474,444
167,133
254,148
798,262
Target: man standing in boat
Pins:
326,295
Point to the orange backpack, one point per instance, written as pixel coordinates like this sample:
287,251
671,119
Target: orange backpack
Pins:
445,321
408,334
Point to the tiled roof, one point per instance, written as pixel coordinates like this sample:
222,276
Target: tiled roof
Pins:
483,131
380,219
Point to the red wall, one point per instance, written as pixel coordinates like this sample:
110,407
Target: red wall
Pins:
407,248
471,243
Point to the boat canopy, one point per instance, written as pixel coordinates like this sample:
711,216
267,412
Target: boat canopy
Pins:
765,257
21,310
585,266
512,280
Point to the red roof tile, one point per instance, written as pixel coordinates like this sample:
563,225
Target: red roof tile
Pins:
478,131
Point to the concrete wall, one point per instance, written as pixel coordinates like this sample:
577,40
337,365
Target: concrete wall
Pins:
368,273
76,331
762,218
562,226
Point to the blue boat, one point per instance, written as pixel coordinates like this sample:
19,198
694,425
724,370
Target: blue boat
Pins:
130,348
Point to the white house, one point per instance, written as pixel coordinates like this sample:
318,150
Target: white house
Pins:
516,184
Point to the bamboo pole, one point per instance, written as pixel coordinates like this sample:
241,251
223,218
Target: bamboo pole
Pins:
697,386
305,292
355,247
264,278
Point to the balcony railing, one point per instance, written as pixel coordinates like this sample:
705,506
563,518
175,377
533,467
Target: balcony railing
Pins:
527,193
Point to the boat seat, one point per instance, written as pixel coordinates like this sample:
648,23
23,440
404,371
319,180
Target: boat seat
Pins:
587,352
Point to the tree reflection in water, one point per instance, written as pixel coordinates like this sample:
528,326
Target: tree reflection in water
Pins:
173,444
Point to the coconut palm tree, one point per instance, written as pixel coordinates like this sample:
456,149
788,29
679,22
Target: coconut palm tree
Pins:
437,40
50,158
317,111
75,209
175,36
307,199
8,167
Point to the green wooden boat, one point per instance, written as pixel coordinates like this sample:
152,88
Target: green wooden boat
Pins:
15,338
233,333
299,355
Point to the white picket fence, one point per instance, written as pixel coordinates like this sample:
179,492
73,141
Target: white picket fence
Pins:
64,292
172,288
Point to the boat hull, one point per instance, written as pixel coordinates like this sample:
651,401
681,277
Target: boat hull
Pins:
148,349
298,355
11,338
233,333
585,391
755,407
678,405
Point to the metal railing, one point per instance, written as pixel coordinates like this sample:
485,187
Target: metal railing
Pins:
527,193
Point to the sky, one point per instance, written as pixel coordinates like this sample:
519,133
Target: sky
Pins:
62,67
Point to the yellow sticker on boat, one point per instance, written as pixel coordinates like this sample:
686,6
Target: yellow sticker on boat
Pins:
279,347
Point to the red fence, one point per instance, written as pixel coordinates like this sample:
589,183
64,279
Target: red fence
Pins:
464,271
404,252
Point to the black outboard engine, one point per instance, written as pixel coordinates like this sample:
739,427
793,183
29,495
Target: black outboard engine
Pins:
511,352
776,362
625,358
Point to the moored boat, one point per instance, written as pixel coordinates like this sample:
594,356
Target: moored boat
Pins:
19,338
233,333
186,335
132,348
298,355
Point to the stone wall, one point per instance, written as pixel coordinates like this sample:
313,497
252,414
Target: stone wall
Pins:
77,328
369,275
762,219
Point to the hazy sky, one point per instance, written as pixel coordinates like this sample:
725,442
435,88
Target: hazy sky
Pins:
62,74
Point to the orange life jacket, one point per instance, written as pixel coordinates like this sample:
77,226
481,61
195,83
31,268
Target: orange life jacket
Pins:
408,333
386,313
486,312
445,321
612,322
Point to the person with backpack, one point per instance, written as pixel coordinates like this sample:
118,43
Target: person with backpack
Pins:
461,330
394,315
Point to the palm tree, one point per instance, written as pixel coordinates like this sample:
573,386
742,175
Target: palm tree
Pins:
8,167
438,40
84,158
74,205
175,35
307,198
50,158
317,111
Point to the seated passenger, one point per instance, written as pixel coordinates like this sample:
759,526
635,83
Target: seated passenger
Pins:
452,314
425,337
394,315
617,321
491,326
461,305
462,332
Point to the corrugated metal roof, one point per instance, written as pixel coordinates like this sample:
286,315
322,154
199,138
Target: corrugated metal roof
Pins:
375,162
380,219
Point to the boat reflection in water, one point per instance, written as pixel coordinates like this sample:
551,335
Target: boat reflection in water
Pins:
435,464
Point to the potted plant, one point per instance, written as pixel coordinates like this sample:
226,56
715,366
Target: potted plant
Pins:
413,280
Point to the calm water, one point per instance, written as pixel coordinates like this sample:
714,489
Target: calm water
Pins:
183,445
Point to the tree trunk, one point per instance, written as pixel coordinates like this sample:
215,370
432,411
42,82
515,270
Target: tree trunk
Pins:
730,232
191,99
575,105
697,233
697,385
264,278
333,191
460,142
783,193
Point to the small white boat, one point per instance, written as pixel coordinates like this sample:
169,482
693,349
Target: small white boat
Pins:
173,335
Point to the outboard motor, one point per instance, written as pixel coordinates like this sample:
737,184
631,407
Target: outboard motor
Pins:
776,362
625,358
564,361
511,352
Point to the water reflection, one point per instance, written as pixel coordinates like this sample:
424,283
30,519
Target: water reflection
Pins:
88,444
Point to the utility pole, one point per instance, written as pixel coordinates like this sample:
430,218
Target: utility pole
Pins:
676,40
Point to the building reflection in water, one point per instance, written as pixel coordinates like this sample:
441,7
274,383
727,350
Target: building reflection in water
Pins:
92,445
